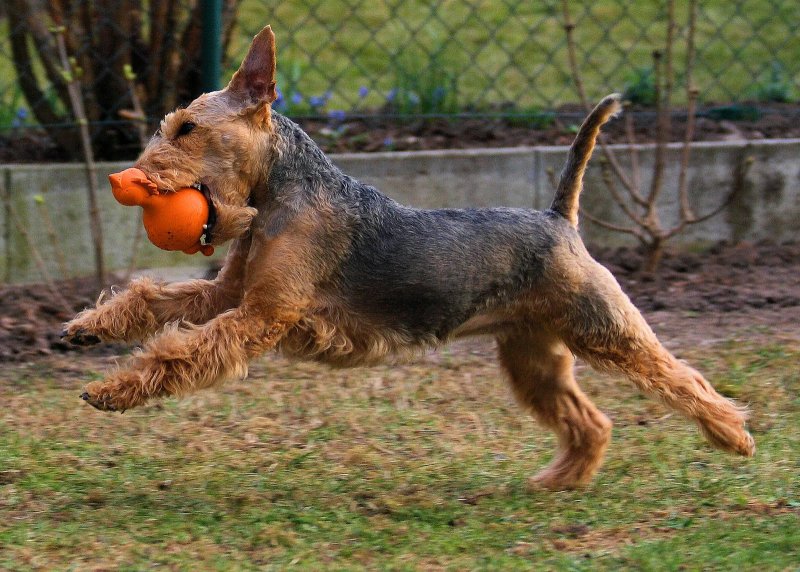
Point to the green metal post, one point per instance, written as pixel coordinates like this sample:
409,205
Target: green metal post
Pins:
211,57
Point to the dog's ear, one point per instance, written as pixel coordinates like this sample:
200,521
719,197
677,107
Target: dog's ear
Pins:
254,81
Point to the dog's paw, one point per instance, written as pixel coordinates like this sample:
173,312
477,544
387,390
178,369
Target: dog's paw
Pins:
78,336
101,403
108,396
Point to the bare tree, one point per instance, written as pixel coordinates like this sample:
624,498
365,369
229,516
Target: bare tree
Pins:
159,40
638,204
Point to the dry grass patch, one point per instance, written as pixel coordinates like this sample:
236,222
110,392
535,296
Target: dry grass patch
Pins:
416,466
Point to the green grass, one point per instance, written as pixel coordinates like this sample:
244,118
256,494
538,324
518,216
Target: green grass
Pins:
505,56
414,467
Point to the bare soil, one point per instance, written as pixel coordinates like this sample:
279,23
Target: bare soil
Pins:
729,287
373,134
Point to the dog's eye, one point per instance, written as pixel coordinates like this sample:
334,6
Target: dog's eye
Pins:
186,128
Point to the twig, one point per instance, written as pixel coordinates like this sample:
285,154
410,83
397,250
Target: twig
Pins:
616,228
663,87
615,194
634,154
572,55
739,178
141,127
7,203
138,116
569,27
669,75
76,100
691,99
661,142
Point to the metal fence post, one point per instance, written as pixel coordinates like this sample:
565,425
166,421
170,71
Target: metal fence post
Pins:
211,57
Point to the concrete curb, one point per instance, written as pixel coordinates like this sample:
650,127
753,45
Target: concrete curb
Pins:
766,205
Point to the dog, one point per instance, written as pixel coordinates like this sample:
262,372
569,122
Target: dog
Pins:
323,267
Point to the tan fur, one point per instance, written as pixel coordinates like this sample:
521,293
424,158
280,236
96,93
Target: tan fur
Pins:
540,369
331,337
279,288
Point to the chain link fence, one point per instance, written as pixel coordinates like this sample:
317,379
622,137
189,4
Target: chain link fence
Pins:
409,59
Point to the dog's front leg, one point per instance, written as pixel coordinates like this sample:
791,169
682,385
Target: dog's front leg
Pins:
145,306
184,359
278,288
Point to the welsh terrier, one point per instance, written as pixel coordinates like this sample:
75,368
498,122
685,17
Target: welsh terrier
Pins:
323,267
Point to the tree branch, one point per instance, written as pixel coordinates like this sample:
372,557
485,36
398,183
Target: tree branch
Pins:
634,155
691,98
608,179
739,177
572,55
76,101
569,28
616,228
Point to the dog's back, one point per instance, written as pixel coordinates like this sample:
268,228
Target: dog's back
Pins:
426,273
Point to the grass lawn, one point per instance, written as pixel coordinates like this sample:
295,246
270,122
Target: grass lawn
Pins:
500,52
461,56
413,467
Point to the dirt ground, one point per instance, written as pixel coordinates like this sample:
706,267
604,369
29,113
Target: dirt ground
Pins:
746,287
719,123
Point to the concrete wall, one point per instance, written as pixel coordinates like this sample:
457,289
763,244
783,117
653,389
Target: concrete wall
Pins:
766,206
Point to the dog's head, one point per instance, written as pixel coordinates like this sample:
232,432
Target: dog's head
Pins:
223,142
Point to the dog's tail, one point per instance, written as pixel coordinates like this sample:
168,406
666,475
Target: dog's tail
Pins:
569,188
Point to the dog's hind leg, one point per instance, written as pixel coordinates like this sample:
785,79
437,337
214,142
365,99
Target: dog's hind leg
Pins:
540,368
602,326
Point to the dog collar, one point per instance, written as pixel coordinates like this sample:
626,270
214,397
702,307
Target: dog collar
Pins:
205,238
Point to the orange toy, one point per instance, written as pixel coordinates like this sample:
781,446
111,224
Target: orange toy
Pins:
173,221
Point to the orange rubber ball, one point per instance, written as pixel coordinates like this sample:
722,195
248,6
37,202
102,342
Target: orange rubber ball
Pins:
173,221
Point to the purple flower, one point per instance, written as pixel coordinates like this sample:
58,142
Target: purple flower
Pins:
316,101
337,115
279,99
391,95
297,98
363,91
388,142
19,118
